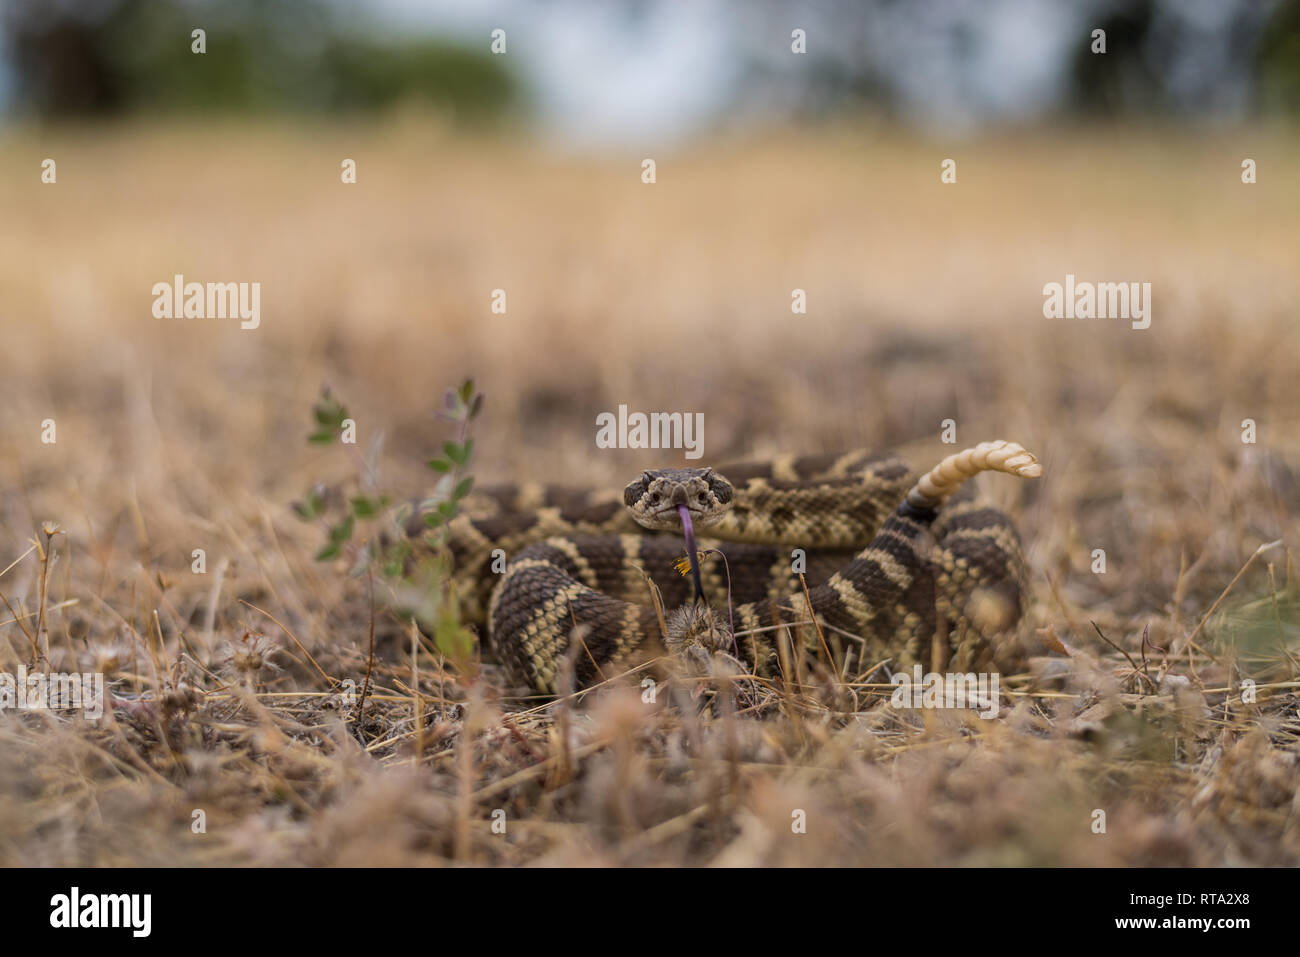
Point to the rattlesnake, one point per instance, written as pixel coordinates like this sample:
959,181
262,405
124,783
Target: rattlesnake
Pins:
892,575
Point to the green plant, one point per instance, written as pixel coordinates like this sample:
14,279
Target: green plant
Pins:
363,525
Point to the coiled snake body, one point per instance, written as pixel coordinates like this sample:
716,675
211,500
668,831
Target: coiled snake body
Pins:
889,574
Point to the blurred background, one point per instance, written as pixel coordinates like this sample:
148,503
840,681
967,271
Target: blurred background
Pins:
647,70
520,170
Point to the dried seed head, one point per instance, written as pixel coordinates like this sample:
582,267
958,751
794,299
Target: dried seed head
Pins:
251,655
695,634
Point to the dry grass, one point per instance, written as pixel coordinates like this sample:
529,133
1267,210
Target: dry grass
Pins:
925,304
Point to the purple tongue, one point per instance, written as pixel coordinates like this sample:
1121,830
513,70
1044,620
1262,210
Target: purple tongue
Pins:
685,514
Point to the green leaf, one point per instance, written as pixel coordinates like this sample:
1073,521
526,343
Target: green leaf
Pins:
363,507
433,519
321,438
456,452
466,390
328,552
450,638
462,488
440,465
342,531
476,406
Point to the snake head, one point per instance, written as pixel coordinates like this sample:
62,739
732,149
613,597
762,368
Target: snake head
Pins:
654,498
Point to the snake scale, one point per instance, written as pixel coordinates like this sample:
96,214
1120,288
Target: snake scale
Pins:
895,570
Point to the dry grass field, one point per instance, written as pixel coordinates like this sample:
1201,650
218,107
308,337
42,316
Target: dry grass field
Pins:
924,303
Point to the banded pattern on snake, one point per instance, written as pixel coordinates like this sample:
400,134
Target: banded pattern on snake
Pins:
892,574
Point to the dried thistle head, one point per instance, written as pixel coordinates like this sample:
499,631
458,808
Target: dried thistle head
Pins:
108,657
180,700
695,634
250,656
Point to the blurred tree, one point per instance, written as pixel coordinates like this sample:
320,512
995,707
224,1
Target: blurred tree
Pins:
1279,62
919,60
125,56
1121,78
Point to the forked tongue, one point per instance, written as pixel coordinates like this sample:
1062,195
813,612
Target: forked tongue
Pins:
689,529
